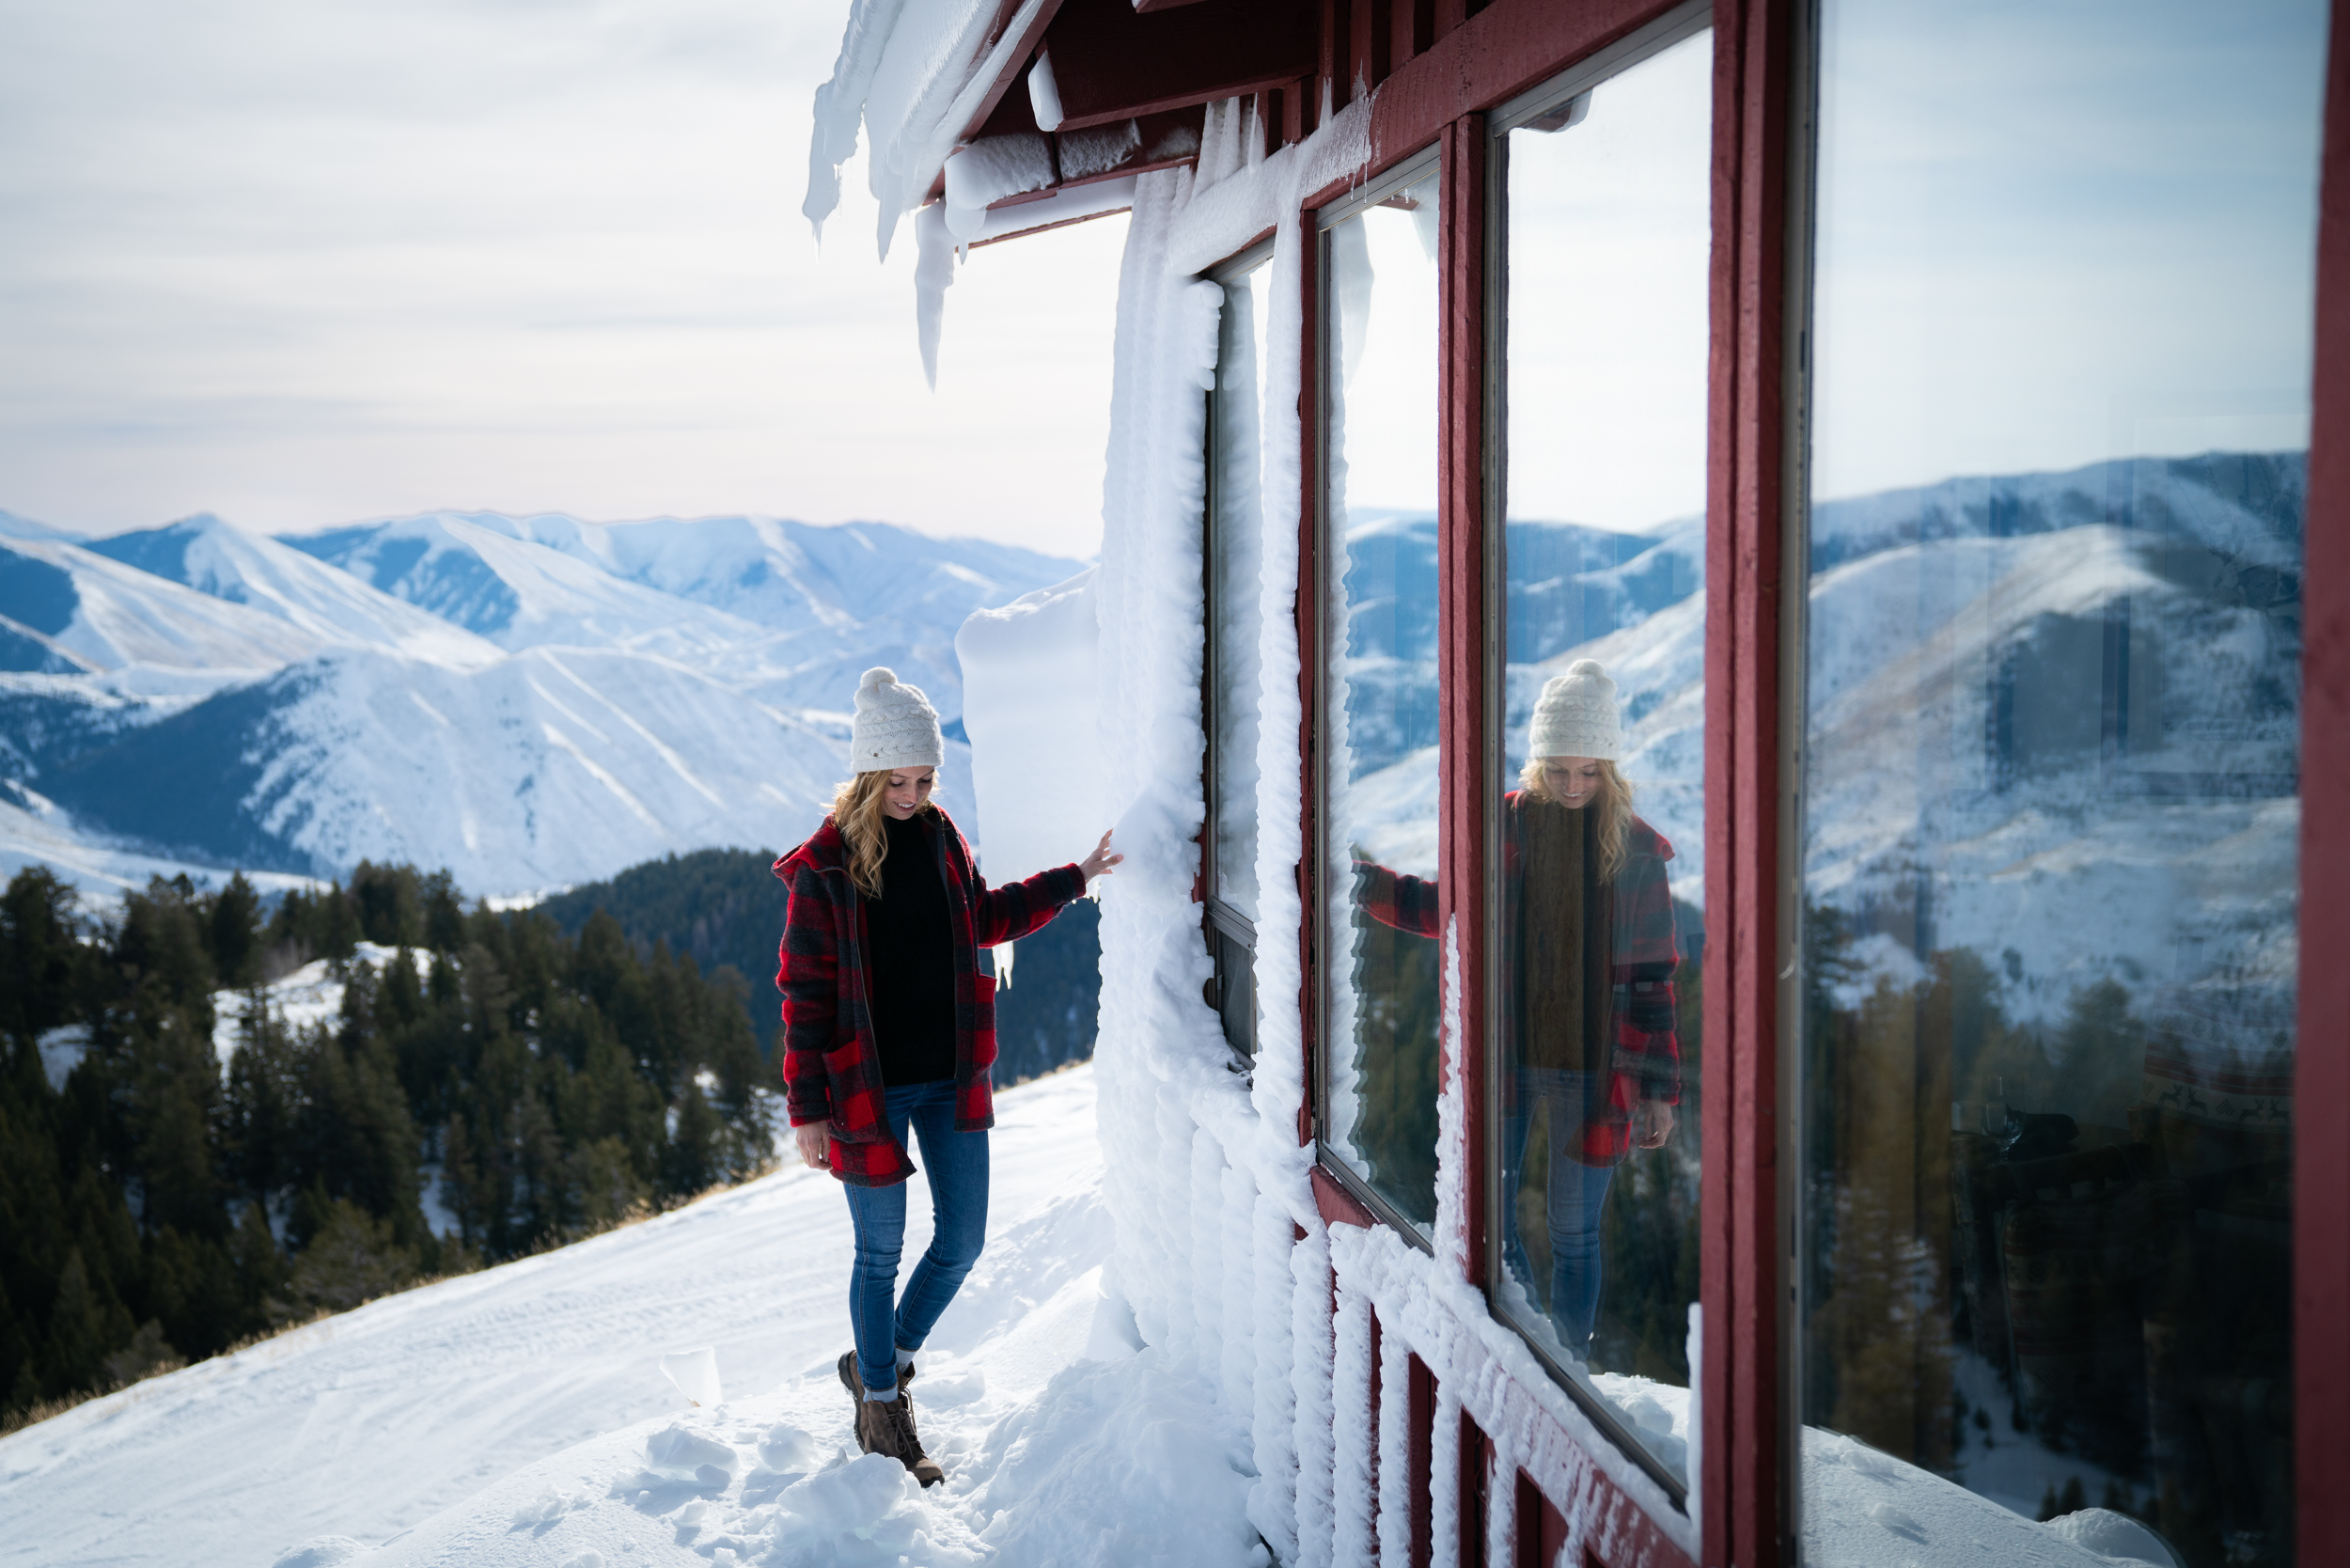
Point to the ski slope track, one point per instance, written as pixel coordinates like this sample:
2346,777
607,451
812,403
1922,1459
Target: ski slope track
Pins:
517,1416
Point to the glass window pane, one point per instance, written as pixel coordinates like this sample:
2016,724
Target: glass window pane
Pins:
2063,286
1379,700
1599,879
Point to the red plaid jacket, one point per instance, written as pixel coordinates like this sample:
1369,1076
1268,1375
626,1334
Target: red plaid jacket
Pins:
831,1067
1645,1060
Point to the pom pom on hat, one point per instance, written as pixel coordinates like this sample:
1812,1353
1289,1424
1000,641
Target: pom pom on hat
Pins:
895,726
1576,715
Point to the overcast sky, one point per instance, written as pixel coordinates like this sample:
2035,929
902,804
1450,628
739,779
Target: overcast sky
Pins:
302,263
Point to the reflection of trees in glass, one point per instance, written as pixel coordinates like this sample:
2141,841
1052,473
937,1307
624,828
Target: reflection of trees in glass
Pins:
1394,976
1879,1357
2117,1258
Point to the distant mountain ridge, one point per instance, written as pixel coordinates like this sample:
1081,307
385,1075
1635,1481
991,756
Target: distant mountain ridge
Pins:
527,700
2019,581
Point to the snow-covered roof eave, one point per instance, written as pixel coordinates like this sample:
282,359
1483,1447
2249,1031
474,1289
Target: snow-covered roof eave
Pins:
918,76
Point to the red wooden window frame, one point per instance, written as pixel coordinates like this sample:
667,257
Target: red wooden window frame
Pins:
1441,95
1436,92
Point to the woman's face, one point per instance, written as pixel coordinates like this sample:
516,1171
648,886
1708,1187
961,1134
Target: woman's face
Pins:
907,788
1571,780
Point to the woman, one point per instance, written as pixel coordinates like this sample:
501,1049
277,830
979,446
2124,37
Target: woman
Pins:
888,1023
1588,959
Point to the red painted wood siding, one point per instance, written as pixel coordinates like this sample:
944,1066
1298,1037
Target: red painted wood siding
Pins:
2321,1198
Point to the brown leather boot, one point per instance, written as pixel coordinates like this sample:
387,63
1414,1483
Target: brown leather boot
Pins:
887,1426
856,1384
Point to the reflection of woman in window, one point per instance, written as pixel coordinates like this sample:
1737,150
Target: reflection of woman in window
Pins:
1588,959
1588,964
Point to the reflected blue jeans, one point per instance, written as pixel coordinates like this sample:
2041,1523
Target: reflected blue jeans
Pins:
956,1166
1572,1201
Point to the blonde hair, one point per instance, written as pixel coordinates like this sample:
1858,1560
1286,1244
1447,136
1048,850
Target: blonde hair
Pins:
857,809
1613,803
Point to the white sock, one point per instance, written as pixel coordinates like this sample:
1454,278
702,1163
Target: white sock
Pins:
905,1359
884,1395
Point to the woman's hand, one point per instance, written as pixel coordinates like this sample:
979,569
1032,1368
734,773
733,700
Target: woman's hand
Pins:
1100,862
812,1138
1652,1124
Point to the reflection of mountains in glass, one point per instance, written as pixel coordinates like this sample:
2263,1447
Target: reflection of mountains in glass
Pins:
2224,528
2056,719
2108,658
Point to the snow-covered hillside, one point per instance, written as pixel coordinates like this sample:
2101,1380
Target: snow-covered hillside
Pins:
87,613
505,1417
529,701
333,607
521,1416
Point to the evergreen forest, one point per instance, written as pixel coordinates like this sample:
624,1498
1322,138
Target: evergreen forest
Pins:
181,1170
724,908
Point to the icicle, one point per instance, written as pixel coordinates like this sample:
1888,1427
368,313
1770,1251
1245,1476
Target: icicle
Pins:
933,272
1351,282
840,105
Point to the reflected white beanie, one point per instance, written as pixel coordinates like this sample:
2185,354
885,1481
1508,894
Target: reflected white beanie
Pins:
1575,716
896,726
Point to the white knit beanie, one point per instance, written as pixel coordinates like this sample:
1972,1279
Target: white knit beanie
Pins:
896,726
1575,716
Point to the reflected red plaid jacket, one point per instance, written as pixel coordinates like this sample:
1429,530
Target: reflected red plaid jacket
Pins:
1645,1062
831,1067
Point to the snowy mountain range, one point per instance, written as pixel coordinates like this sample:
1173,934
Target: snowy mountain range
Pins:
529,700
2053,716
2105,662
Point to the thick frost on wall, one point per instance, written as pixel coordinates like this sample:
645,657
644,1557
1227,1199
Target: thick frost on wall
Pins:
1219,1249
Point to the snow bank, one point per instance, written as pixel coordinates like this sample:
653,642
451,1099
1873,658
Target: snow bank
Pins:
1030,707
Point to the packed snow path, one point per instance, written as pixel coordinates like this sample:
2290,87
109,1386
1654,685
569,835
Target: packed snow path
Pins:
505,1417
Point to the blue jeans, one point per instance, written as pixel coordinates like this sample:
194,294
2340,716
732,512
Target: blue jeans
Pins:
1572,1201
956,1166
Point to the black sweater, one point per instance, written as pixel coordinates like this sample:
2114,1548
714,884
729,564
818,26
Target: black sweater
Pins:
913,960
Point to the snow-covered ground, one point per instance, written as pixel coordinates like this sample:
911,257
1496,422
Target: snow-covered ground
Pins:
505,1417
520,1416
